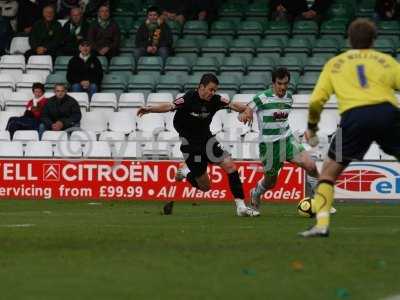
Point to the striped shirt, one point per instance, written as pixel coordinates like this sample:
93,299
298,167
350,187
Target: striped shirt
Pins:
272,114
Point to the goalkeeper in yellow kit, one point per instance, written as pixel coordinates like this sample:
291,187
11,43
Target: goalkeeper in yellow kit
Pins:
364,81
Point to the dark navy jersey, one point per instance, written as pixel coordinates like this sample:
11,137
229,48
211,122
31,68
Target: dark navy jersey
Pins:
194,115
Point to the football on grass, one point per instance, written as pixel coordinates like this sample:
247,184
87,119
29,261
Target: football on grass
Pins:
305,208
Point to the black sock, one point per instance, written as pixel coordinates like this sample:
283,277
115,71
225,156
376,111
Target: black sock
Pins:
236,185
192,180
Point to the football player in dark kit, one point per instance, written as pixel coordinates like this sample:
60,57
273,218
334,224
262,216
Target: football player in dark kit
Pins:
194,112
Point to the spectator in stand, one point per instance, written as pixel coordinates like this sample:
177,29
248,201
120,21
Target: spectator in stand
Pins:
172,10
34,108
61,112
154,36
29,12
290,10
65,7
386,10
92,7
46,35
5,34
85,72
202,10
104,34
9,10
74,31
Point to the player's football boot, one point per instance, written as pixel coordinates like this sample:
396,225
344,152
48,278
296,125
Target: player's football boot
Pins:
244,211
179,176
168,208
315,232
255,200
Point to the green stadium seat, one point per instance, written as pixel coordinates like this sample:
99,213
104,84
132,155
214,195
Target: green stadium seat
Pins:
217,47
52,79
388,28
114,83
205,64
230,9
135,27
176,27
298,45
61,63
258,9
328,44
233,65
127,45
222,29
150,63
250,29
385,44
244,47
142,83
171,82
292,63
193,81
126,8
235,20
229,84
270,45
194,28
316,63
365,8
190,57
340,11
333,27
255,83
261,65
273,56
125,23
305,27
104,62
125,64
307,82
277,28
186,45
177,63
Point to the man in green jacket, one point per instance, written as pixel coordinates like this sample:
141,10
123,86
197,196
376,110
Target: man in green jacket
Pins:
46,35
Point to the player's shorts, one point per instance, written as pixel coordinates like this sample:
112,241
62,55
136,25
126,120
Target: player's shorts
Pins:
198,154
361,126
273,155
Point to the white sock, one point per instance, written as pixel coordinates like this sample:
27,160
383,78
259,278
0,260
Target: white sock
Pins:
260,188
240,203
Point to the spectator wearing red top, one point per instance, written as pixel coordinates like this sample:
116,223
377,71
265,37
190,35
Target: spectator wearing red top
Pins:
34,108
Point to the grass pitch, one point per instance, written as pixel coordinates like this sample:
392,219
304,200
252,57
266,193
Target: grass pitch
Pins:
127,250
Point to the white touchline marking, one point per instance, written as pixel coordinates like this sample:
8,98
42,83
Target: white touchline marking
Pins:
17,225
94,203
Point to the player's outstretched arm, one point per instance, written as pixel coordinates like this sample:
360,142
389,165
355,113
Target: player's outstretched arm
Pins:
246,116
161,108
237,106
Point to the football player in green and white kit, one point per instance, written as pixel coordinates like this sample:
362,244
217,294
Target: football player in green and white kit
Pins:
276,141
